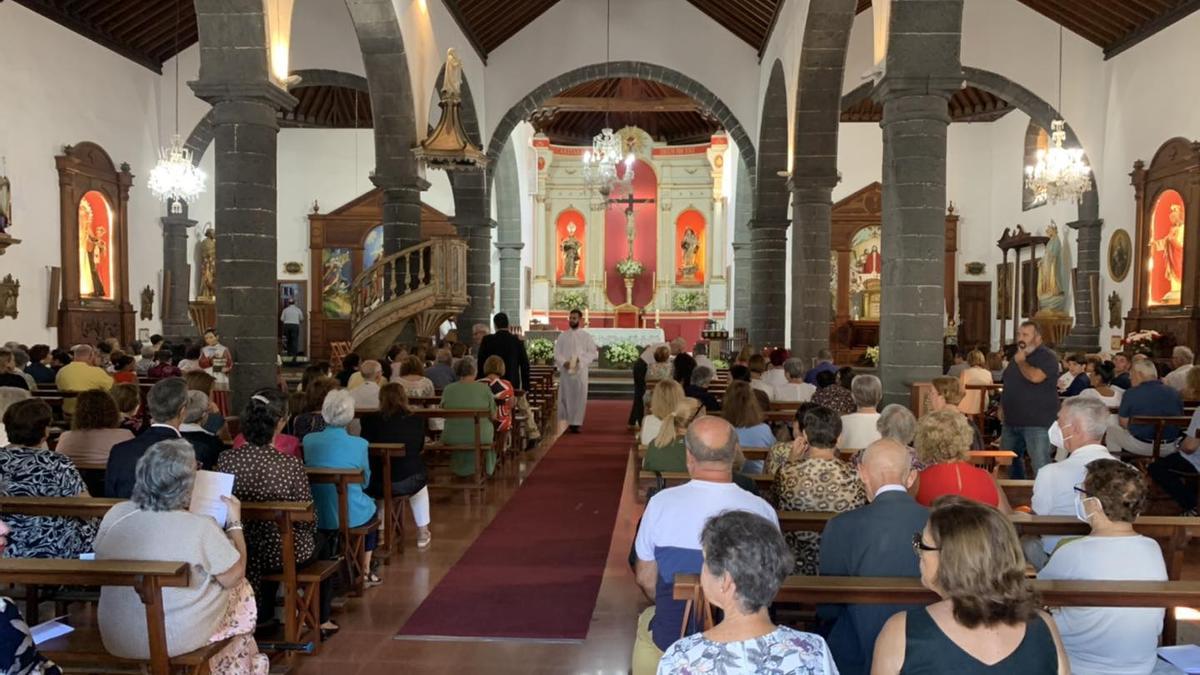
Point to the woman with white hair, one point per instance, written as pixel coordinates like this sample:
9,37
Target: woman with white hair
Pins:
208,447
858,428
155,524
335,448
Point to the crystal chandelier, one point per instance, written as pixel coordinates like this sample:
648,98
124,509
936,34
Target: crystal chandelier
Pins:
600,165
1060,174
174,178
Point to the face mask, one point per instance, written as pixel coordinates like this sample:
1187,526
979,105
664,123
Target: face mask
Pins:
1057,439
1080,512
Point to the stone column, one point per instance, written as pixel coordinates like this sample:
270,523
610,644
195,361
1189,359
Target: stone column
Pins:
471,208
401,210
812,209
768,282
176,321
245,133
743,259
1085,334
510,279
923,70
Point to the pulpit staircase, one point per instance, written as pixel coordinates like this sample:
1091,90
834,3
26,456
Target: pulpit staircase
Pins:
423,285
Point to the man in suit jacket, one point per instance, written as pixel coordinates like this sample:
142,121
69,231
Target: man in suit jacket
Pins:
871,541
167,403
509,347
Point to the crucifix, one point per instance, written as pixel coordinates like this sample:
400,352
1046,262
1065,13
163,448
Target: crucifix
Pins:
629,201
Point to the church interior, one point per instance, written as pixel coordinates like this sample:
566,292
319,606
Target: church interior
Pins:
606,211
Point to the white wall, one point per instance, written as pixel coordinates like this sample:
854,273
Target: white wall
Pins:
323,37
60,88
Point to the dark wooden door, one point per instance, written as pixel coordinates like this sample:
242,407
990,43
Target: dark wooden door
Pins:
975,314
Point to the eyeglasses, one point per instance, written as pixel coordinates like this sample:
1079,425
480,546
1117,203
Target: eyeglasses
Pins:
919,544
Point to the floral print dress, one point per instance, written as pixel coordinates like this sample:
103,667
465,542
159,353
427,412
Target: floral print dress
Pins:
18,655
815,484
37,472
783,652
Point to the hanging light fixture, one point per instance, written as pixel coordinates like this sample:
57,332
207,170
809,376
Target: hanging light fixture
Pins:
1060,174
174,178
601,163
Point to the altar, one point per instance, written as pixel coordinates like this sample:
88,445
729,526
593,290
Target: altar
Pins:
604,337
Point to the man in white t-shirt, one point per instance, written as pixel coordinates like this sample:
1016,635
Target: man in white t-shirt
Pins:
291,318
668,538
1082,423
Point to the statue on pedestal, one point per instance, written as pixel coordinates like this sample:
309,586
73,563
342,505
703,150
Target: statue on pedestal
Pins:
1052,275
691,248
570,251
1171,246
208,266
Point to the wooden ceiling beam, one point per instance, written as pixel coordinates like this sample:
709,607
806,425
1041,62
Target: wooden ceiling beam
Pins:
452,6
606,104
1150,28
51,12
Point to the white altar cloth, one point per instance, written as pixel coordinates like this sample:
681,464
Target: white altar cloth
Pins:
639,337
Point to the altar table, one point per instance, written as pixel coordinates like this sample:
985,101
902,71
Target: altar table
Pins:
640,337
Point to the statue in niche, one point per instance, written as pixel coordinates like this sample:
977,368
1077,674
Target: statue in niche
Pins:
9,290
1052,275
147,313
5,204
570,252
629,229
452,77
94,241
1171,246
208,265
691,248
1114,310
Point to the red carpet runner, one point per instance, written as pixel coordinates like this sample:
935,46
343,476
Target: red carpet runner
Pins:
535,571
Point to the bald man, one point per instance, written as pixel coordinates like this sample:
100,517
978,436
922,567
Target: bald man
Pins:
871,541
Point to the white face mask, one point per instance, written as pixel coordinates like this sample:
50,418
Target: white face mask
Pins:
1080,512
1056,436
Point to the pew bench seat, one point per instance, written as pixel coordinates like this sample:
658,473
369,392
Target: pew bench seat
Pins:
82,650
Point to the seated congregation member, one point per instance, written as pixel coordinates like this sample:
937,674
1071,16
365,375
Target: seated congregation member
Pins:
95,429
207,446
128,398
988,618
664,399
832,395
758,366
1106,640
8,376
502,391
682,368
1191,389
745,561
1182,359
198,380
743,356
668,539
661,368
468,394
859,427
29,469
944,446
191,360
39,365
1175,472
1101,377
1077,370
167,401
897,423
349,367
412,378
20,363
334,448
1079,430
946,393
697,388
366,395
18,655
81,374
1149,396
742,409
666,452
309,419
775,375
162,366
871,541
144,361
263,474
9,396
313,372
700,354
976,373
155,524
817,480
440,373
824,365
1122,362
124,369
793,389
789,451
395,423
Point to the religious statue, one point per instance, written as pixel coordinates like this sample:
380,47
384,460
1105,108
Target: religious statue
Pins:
691,248
93,242
872,263
1052,275
208,265
10,289
1114,310
147,313
452,76
629,229
570,251
1171,246
5,204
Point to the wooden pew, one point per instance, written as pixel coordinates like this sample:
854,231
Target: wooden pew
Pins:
476,483
353,539
1018,491
649,479
393,508
83,648
1160,424
909,591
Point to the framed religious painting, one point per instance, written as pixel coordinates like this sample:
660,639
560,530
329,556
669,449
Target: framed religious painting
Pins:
1166,283
94,196
1120,254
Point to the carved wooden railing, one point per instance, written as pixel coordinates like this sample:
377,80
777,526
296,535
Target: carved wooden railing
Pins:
426,283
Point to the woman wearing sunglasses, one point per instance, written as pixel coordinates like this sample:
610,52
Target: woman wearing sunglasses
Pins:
987,619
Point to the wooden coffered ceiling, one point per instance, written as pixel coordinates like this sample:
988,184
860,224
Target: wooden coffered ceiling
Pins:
1113,25
967,105
667,114
328,107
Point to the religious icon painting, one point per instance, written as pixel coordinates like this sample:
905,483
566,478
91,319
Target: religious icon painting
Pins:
95,247
866,271
1120,254
1164,262
690,234
335,283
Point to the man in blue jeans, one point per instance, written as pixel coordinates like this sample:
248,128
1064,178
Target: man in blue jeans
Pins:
1029,404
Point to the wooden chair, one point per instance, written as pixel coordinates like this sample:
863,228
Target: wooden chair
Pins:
1160,423
1019,492
352,539
476,483
393,505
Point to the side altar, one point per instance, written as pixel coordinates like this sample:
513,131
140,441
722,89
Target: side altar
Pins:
672,222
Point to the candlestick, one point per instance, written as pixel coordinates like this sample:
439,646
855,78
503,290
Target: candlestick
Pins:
586,322
656,321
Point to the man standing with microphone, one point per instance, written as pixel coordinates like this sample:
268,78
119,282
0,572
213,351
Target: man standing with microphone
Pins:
1029,403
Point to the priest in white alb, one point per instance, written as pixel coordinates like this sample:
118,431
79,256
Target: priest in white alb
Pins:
574,351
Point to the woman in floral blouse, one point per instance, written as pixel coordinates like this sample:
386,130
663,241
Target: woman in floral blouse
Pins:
815,479
263,474
18,655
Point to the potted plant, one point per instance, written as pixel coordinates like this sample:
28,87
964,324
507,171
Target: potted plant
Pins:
540,350
571,300
622,355
872,356
688,301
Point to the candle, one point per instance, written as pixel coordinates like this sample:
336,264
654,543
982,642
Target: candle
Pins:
585,317
656,316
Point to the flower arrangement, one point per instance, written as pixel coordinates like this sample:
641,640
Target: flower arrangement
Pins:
622,354
720,363
872,355
688,301
571,300
630,268
1143,341
540,349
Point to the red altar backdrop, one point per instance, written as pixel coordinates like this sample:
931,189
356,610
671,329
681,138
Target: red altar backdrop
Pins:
562,231
1166,248
645,243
